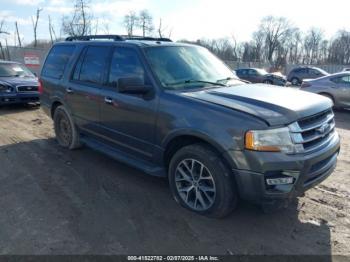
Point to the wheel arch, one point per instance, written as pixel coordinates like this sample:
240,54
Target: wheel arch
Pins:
181,139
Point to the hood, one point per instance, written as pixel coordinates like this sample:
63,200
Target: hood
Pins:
274,105
277,74
18,81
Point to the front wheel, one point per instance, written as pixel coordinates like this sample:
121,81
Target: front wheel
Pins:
268,82
201,182
65,130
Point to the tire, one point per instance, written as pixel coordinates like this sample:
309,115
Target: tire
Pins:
214,195
295,81
66,133
268,82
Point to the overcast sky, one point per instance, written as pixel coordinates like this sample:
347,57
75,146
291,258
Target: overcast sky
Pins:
190,19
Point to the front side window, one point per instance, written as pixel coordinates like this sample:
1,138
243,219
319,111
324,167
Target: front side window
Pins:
125,63
57,61
179,67
14,70
92,66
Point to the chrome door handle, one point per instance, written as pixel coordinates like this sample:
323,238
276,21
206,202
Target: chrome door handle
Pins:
108,100
69,90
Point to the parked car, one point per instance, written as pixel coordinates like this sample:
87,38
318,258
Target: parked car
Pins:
17,84
257,75
298,74
175,110
336,87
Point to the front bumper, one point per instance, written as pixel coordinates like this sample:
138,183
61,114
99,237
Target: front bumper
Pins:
307,170
19,98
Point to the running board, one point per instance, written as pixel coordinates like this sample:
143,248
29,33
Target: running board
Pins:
128,159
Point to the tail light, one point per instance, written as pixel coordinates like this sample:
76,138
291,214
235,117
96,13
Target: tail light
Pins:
40,87
305,84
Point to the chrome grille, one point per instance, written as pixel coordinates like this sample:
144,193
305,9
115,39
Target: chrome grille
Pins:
23,89
313,132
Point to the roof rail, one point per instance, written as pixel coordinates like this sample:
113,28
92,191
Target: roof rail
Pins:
146,38
116,38
92,37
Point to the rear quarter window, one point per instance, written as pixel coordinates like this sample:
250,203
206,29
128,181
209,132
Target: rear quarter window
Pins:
57,61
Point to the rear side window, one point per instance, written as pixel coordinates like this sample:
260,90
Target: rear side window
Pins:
57,61
92,66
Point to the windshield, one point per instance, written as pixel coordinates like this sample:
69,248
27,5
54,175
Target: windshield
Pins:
323,72
180,67
14,70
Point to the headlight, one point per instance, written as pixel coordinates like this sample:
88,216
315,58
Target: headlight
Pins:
271,140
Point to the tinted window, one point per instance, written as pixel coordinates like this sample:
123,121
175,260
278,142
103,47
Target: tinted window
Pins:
342,80
91,66
300,70
57,60
125,63
315,72
252,72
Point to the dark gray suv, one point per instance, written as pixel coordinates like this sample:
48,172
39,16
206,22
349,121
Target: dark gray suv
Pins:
298,74
176,111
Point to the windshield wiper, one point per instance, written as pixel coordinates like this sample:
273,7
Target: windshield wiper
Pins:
227,79
191,81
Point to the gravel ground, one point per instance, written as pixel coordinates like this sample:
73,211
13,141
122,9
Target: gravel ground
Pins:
55,201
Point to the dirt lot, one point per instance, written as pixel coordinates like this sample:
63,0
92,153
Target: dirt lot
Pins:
54,201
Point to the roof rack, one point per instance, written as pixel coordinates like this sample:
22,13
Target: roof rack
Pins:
92,37
146,38
116,38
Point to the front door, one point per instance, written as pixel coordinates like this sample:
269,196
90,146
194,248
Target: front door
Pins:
128,120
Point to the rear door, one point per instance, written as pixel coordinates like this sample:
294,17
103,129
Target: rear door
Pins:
53,71
128,120
83,89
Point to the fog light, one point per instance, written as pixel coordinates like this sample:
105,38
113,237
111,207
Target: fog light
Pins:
279,181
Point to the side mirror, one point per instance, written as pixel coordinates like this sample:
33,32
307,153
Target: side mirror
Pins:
133,85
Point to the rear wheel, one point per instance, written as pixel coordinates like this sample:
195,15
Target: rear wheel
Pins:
65,130
201,182
295,81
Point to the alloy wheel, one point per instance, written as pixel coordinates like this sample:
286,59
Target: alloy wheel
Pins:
195,184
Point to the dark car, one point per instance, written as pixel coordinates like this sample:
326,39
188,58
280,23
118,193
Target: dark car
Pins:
175,110
17,84
298,74
257,75
335,86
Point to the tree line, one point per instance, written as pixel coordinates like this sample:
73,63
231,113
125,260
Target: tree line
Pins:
276,41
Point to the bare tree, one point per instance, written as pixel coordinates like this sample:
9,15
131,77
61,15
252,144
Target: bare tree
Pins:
2,31
275,31
130,22
80,22
35,25
18,35
161,30
145,22
52,32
